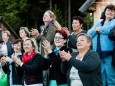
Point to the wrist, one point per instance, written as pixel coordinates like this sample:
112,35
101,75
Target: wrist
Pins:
21,64
49,51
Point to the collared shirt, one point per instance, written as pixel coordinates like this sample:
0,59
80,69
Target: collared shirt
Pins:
4,49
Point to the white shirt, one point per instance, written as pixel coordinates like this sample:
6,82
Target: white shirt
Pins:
4,49
74,77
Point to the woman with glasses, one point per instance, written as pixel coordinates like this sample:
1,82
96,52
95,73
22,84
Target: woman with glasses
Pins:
53,61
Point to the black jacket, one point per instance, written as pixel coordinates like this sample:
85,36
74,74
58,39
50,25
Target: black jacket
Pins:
17,72
54,64
89,69
33,70
112,37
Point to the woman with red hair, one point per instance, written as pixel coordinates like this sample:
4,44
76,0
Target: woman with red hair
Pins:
53,61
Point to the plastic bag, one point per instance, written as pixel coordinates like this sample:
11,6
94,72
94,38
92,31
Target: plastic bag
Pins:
3,78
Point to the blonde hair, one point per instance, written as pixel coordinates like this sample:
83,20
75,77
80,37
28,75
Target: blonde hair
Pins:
52,15
7,32
88,37
35,44
57,25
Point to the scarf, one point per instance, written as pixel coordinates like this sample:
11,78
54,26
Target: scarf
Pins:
26,57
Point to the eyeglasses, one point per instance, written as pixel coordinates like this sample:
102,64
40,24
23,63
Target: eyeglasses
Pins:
58,38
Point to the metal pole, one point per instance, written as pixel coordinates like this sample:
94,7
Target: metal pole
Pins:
69,14
50,4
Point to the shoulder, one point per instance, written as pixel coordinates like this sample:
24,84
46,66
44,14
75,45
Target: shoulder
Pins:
38,56
10,42
91,54
52,27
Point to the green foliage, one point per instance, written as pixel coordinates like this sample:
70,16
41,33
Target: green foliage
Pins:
58,14
88,20
10,11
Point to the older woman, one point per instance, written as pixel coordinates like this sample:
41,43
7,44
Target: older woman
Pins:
77,26
24,33
31,64
103,45
83,68
56,77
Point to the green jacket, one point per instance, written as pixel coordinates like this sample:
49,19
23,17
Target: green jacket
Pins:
48,34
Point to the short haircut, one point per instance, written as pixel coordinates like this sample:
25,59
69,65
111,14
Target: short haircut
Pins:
89,38
80,19
7,32
17,41
63,33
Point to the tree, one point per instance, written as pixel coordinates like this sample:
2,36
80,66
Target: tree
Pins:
10,10
58,14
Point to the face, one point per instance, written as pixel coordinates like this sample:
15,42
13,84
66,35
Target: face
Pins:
110,14
46,17
17,47
76,25
58,40
27,46
82,43
5,37
22,33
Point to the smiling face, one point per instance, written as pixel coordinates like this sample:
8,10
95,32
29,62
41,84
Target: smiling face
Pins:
59,40
28,46
82,43
110,14
17,47
76,25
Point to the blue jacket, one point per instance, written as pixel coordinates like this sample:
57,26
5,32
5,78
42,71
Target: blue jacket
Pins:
106,44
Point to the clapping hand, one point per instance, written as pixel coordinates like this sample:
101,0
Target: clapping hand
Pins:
16,59
34,33
47,46
65,56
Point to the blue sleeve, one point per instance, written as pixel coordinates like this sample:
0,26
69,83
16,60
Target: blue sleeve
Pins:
106,28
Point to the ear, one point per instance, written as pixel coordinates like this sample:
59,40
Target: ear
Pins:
89,44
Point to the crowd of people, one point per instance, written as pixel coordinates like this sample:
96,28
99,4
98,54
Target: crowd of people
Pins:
54,56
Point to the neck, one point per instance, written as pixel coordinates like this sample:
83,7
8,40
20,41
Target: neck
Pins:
58,47
18,53
106,21
45,23
77,31
83,52
5,41
24,38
